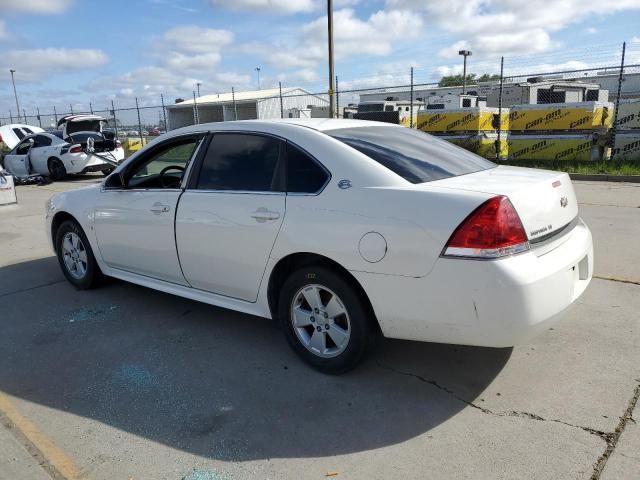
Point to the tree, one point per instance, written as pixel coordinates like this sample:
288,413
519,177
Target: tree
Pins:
456,80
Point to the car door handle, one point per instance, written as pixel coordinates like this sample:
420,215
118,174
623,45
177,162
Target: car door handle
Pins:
263,214
159,208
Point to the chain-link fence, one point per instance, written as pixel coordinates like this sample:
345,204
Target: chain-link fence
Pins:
553,107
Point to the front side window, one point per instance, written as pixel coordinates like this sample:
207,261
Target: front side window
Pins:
164,167
414,155
304,174
24,147
241,162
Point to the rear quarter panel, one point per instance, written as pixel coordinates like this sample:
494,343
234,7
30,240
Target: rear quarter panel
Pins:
415,225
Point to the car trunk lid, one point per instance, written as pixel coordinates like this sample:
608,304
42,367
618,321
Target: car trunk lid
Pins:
545,200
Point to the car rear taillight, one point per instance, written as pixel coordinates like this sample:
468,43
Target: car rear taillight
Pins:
76,149
492,230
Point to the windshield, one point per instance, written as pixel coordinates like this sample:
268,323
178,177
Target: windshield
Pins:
414,155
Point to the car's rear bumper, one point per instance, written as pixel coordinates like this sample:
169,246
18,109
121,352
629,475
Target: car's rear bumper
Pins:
495,303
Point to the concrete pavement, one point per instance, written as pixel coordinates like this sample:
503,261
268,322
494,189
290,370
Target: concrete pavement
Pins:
132,383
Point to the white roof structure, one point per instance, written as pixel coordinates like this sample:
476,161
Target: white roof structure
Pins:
240,96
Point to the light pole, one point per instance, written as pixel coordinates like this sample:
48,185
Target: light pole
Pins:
330,34
15,93
465,54
198,87
257,69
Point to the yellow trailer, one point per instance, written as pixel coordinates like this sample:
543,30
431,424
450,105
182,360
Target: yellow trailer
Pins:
561,116
553,147
483,144
474,119
133,144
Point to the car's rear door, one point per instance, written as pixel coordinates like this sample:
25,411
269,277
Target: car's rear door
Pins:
230,215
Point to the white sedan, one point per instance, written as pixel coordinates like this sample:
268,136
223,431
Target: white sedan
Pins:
340,229
47,154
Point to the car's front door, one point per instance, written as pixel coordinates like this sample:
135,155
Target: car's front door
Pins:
16,162
134,217
230,215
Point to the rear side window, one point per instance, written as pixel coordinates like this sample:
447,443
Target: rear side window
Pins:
42,141
414,155
304,174
241,162
19,133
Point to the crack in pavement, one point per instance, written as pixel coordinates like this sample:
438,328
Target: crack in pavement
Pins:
31,288
619,280
607,437
627,417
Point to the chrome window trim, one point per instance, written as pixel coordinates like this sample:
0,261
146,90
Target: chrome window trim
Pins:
235,192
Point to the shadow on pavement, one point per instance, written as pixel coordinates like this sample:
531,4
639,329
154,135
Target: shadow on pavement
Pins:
217,383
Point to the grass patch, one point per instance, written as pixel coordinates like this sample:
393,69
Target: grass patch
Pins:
611,167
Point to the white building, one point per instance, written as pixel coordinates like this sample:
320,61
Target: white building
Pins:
258,104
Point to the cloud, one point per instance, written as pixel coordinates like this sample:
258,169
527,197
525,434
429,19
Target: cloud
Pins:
591,30
39,64
635,40
353,37
35,6
3,30
509,26
275,7
193,39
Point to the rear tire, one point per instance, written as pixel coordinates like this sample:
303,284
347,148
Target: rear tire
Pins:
57,170
108,171
324,319
75,256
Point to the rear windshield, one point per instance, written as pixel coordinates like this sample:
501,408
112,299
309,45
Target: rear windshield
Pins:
414,155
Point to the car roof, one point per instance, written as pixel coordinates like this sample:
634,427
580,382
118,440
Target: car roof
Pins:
317,124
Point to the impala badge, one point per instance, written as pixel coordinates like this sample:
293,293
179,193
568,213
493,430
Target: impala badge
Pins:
344,184
564,202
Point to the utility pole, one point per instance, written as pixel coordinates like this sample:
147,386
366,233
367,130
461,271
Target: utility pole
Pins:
465,54
15,93
331,75
257,69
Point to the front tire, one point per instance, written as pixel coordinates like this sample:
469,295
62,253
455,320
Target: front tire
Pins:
107,171
75,256
324,319
57,170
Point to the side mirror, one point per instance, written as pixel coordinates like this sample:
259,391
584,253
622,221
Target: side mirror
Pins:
114,182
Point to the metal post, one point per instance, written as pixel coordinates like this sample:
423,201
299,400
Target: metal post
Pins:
15,93
71,108
39,118
281,102
55,115
115,120
198,87
196,120
10,116
411,112
91,108
24,115
330,32
464,76
258,70
499,145
235,109
337,99
139,124
615,115
164,114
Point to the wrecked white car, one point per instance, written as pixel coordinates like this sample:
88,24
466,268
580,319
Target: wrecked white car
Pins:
80,147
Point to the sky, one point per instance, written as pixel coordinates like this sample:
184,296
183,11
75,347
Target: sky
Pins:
72,52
